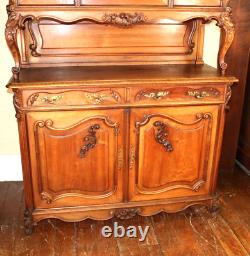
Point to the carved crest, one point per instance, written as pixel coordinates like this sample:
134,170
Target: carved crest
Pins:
125,214
124,19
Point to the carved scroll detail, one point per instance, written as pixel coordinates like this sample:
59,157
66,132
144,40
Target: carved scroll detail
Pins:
227,25
17,100
161,136
46,197
11,29
89,140
124,19
125,214
224,21
204,93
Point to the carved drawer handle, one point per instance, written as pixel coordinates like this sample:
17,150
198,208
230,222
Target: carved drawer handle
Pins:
161,136
156,95
132,157
152,94
204,93
89,140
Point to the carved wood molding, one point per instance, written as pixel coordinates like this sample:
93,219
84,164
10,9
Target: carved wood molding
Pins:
90,140
49,123
146,119
18,103
125,214
161,136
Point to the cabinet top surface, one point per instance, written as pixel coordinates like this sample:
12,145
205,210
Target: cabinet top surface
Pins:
118,74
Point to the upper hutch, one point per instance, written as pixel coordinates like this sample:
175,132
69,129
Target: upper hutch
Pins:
118,114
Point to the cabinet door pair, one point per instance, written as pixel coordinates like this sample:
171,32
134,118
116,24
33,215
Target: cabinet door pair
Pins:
78,157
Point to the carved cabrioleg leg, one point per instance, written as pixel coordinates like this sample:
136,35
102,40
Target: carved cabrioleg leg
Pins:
228,32
28,222
11,29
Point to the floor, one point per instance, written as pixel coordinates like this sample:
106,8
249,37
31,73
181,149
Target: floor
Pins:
193,232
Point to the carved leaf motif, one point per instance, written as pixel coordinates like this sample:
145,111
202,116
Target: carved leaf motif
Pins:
46,197
89,140
125,214
124,19
161,136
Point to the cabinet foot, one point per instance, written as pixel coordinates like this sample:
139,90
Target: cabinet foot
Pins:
28,222
214,207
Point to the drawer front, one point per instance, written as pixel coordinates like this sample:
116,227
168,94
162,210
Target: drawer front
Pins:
124,2
90,96
197,3
46,2
163,95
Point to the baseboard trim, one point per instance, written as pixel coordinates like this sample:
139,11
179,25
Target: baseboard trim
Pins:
11,168
242,167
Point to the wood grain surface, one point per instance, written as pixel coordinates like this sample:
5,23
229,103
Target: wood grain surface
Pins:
192,232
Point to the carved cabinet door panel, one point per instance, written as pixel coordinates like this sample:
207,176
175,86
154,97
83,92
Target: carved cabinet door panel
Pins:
171,152
76,157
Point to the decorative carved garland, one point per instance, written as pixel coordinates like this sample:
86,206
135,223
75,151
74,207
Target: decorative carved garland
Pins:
161,136
124,19
89,140
125,214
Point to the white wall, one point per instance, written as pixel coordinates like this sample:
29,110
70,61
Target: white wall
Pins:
10,164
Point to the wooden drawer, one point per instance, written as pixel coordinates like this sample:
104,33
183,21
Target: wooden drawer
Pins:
77,97
46,2
197,2
124,2
161,95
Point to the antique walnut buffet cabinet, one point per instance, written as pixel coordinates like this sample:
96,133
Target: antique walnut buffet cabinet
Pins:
118,115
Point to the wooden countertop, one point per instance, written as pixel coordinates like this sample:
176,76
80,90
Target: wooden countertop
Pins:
108,75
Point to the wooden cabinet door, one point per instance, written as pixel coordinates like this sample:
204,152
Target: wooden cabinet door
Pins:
172,151
76,157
